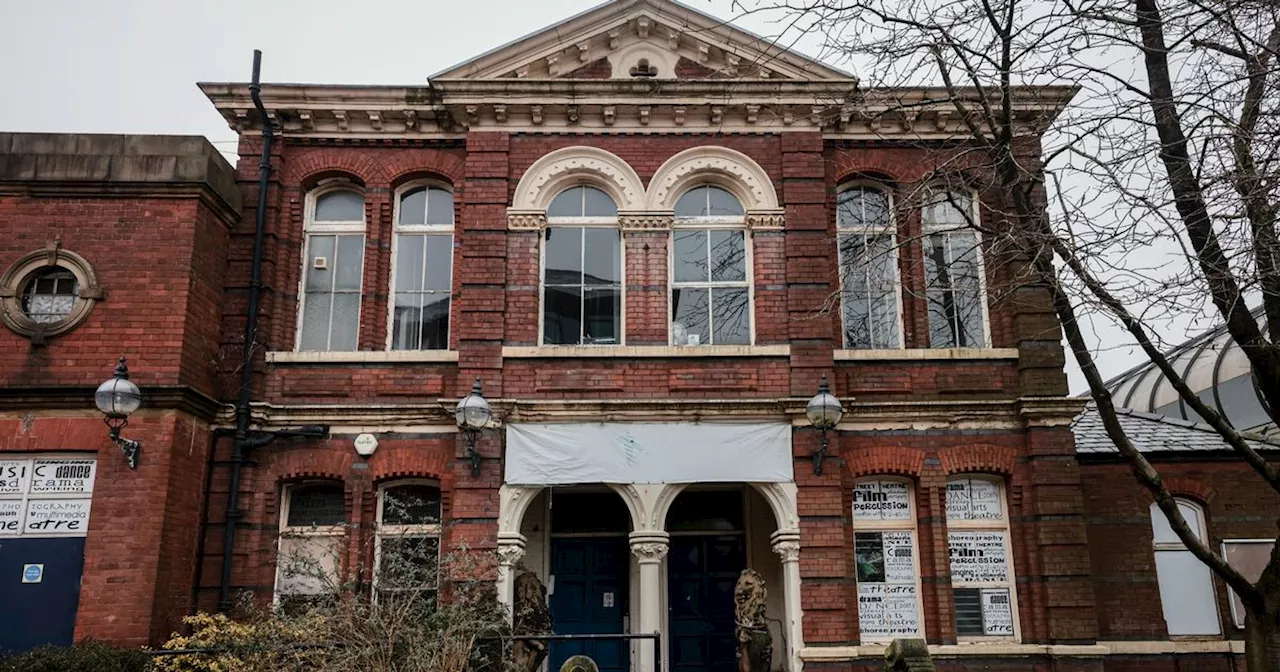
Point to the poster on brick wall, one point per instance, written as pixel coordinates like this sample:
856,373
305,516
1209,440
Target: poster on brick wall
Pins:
14,476
978,557
887,611
881,500
63,476
997,612
46,496
886,574
10,517
68,517
973,499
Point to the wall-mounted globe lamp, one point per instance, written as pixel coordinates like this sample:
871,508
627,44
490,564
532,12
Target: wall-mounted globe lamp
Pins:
473,415
824,412
118,398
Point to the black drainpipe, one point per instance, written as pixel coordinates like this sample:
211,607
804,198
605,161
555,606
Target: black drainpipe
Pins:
250,338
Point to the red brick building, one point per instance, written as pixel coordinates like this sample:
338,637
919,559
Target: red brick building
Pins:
650,236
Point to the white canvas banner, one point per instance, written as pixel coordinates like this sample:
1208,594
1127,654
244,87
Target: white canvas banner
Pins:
569,454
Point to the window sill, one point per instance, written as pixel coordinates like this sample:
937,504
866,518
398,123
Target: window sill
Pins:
569,351
1102,648
921,354
362,356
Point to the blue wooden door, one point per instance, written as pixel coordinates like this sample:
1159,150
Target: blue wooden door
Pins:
702,573
590,597
41,610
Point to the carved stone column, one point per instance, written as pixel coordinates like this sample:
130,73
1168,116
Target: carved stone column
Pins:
786,543
510,551
650,548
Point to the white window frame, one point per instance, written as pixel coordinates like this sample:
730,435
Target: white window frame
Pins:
891,230
1237,609
584,223
911,524
418,230
310,226
1199,522
708,224
381,531
929,228
997,525
287,531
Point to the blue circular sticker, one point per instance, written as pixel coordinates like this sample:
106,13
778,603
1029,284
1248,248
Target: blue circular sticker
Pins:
32,573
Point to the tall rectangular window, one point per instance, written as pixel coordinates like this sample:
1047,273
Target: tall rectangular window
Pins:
981,565
887,567
869,287
582,270
333,273
423,279
309,560
710,273
955,289
1186,585
408,540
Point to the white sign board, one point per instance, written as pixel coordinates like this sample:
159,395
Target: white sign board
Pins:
887,611
46,496
973,499
978,557
63,476
881,500
69,517
997,612
640,452
886,575
14,476
10,517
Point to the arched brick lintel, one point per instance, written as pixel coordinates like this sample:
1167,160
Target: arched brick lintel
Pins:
981,458
886,460
1190,488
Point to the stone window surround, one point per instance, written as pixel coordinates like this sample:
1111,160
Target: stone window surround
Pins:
15,279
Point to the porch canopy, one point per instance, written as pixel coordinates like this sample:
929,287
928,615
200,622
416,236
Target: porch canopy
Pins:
579,453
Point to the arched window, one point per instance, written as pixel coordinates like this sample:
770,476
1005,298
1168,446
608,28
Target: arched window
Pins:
982,579
582,269
710,273
887,561
1186,586
333,272
870,302
955,287
309,558
422,281
408,538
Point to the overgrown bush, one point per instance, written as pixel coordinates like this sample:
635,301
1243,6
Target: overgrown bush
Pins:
84,657
423,613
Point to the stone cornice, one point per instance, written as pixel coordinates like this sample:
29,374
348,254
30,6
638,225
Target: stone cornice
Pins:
449,108
80,398
860,416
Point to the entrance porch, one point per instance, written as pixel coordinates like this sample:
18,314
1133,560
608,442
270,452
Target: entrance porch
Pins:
643,558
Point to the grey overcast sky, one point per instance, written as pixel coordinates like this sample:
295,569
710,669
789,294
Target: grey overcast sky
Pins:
131,66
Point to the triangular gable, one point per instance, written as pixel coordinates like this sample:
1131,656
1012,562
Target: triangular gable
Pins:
625,39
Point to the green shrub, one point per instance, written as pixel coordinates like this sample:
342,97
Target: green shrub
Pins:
84,657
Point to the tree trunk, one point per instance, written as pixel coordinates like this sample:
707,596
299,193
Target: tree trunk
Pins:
1262,625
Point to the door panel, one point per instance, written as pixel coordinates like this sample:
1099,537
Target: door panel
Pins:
34,614
702,573
590,597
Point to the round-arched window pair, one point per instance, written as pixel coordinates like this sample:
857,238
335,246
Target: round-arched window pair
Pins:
46,293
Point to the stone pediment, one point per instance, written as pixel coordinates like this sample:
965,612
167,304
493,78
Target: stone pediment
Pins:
642,39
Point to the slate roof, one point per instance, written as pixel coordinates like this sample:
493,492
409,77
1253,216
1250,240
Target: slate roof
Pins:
1153,433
